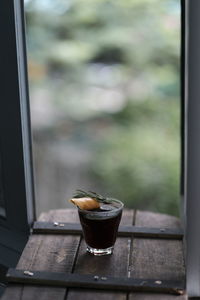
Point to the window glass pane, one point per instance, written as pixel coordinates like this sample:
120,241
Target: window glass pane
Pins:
104,82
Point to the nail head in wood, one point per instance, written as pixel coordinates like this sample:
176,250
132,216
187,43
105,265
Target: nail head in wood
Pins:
28,273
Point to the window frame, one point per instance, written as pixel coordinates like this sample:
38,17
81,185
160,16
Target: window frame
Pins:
15,133
191,205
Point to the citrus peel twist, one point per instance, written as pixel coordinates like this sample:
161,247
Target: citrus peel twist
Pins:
85,203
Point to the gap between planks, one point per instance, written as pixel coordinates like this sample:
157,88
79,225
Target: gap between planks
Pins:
50,253
114,265
162,259
48,293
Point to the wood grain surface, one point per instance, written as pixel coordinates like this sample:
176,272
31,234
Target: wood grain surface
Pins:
47,252
133,257
115,265
156,258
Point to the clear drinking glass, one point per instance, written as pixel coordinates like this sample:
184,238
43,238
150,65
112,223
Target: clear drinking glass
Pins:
100,226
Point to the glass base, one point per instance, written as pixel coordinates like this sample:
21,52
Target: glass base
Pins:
99,252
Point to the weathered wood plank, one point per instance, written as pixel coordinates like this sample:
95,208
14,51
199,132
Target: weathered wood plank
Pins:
155,258
113,265
105,283
153,296
151,219
123,231
78,294
50,253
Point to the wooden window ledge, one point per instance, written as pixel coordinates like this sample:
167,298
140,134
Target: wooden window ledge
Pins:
134,257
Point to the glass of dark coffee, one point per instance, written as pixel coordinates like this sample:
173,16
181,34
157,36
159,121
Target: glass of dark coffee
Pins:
100,226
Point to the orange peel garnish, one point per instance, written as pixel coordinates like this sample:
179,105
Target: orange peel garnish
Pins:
85,203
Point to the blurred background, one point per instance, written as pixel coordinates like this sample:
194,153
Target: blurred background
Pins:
104,91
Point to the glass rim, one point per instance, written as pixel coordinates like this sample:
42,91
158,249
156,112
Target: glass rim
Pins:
103,212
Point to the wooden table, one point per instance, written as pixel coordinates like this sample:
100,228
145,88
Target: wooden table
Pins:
160,259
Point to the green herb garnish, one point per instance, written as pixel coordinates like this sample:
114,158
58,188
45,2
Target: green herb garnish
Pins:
98,197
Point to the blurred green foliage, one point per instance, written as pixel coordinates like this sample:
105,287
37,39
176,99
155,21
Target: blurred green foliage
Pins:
117,62
140,154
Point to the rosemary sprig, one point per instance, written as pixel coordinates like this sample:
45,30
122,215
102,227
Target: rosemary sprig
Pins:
98,197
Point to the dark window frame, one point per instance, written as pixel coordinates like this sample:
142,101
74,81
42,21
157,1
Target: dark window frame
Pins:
191,158
15,134
15,131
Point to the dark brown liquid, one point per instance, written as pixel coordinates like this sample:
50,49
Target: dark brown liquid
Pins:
100,233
